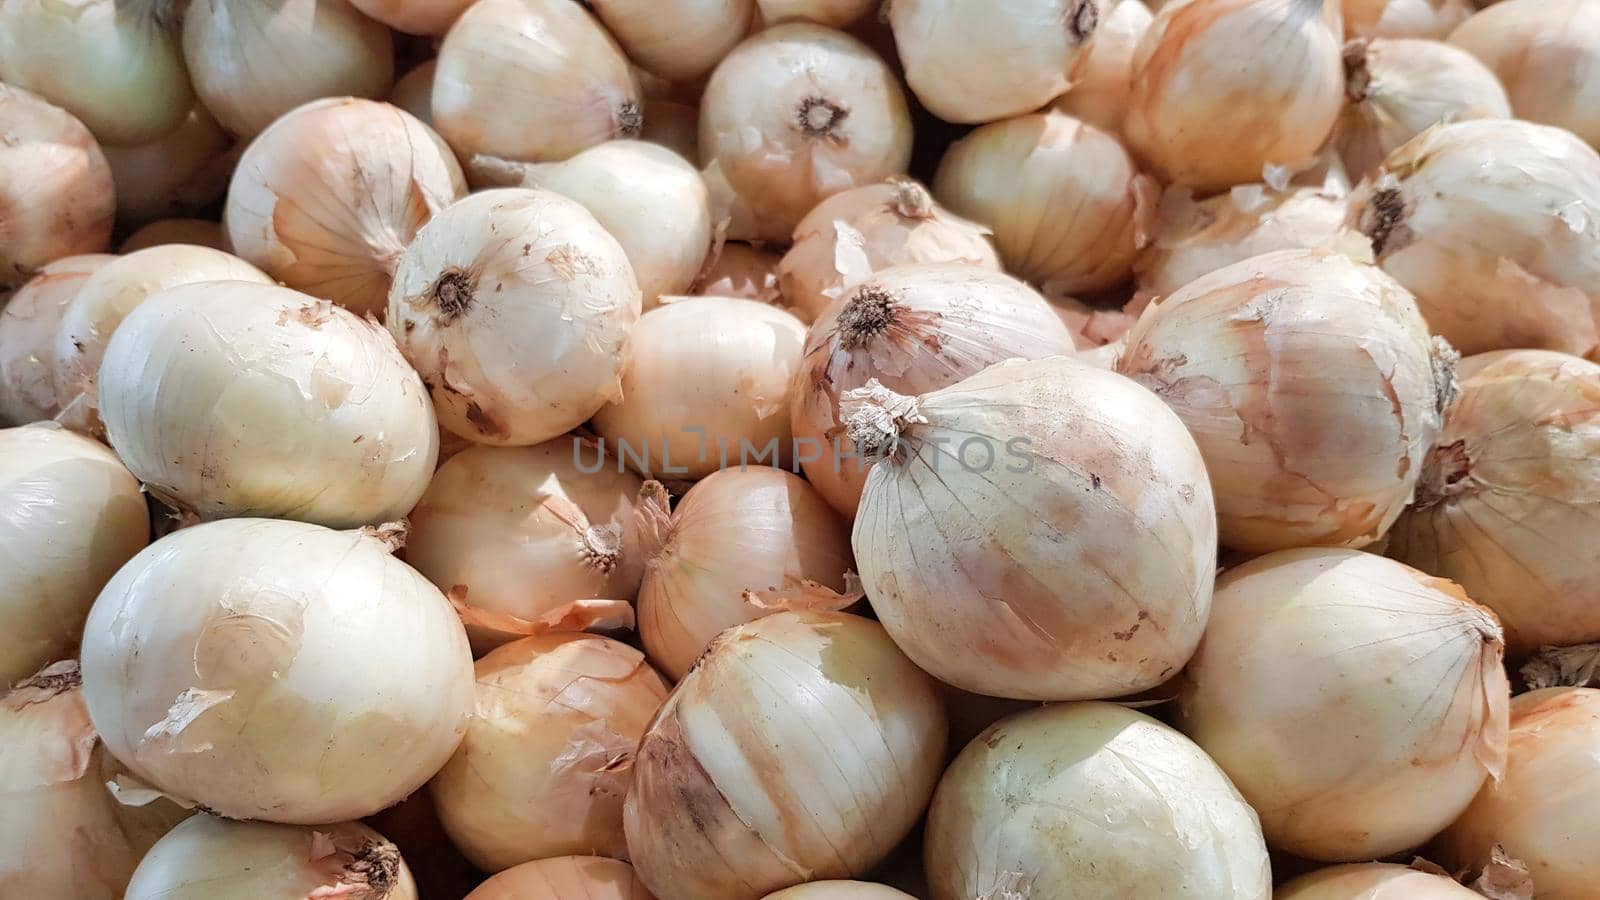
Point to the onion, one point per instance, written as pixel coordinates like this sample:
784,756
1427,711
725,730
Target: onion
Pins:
548,755
1373,881
1494,225
523,365
198,232
1017,176
66,835
839,890
1105,74
1509,501
832,13
915,329
113,64
1041,530
679,40
742,544
708,387
106,298
797,113
1547,54
207,858
413,92
1430,19
565,878
853,234
327,199
436,865
532,80
730,801
1356,702
233,399
1091,801
1223,89
277,670
675,126
55,186
183,171
254,60
28,325
422,17
740,270
978,62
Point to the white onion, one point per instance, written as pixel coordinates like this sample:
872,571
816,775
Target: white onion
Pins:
730,801
679,40
1090,801
28,325
1429,19
565,878
839,890
1547,54
833,13
182,171
740,270
55,186
198,232
277,670
234,398
1105,74
413,92
515,306
423,17
673,125
327,199
1373,881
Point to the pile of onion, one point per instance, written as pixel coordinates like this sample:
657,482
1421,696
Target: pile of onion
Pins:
679,40
1105,74
182,171
740,270
1041,530
565,878
1374,881
28,324
1547,54
55,185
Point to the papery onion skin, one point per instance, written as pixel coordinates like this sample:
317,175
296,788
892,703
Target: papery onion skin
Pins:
180,172
1012,175
1105,74
679,40
234,398
207,661
516,307
1373,881
839,890
1510,496
423,17
565,878
199,232
719,785
327,199
413,92
1356,702
832,13
1547,54
741,270
56,195
1072,557
28,325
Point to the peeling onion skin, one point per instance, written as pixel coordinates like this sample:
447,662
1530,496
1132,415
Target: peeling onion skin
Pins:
181,172
832,13
317,692
56,195
1312,387
679,40
515,306
1373,881
839,890
198,232
1086,574
1494,225
1547,54
1105,74
207,858
1356,702
1509,502
1015,814
28,325
720,784
565,878
327,199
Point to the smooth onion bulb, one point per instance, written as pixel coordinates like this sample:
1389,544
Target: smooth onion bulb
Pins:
565,878
832,13
1373,881
28,324
55,186
1547,54
679,40
423,17
1105,74
413,92
839,890
181,172
1427,19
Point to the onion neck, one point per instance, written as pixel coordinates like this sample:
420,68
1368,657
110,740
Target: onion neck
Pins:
870,312
876,419
373,870
1445,475
451,293
1082,20
628,119
1384,217
819,118
53,679
1357,77
911,200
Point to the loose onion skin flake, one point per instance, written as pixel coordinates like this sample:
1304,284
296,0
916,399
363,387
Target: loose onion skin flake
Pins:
1373,881
28,324
1547,54
56,196
743,271
565,878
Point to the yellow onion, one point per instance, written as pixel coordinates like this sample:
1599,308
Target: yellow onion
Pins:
327,199
424,17
832,13
1356,702
1312,387
1428,19
742,544
277,670
1547,54
231,398
1105,74
197,232
797,113
413,92
741,270
1018,176
254,60
1090,801
1042,530
565,878
679,40
1509,501
183,171
708,387
1494,225
673,125
1222,89
55,186
915,329
533,80
515,306
1373,881
730,801
207,858
839,890
855,233
28,324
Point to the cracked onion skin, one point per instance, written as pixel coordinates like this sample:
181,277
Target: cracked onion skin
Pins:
565,878
1374,881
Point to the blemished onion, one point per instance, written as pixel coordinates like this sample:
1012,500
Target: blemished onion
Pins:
1312,386
1428,19
1185,118
515,306
534,80
209,661
839,890
207,858
673,125
708,387
254,60
565,878
915,329
1090,801
1494,225
548,755
1105,75
327,199
679,40
28,324
1042,530
1357,703
741,270
799,112
1509,501
832,13
1017,175
858,232
66,835
1547,54
55,186
742,544
198,232
1373,881
423,17
242,399
732,802
181,172
413,92
969,61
